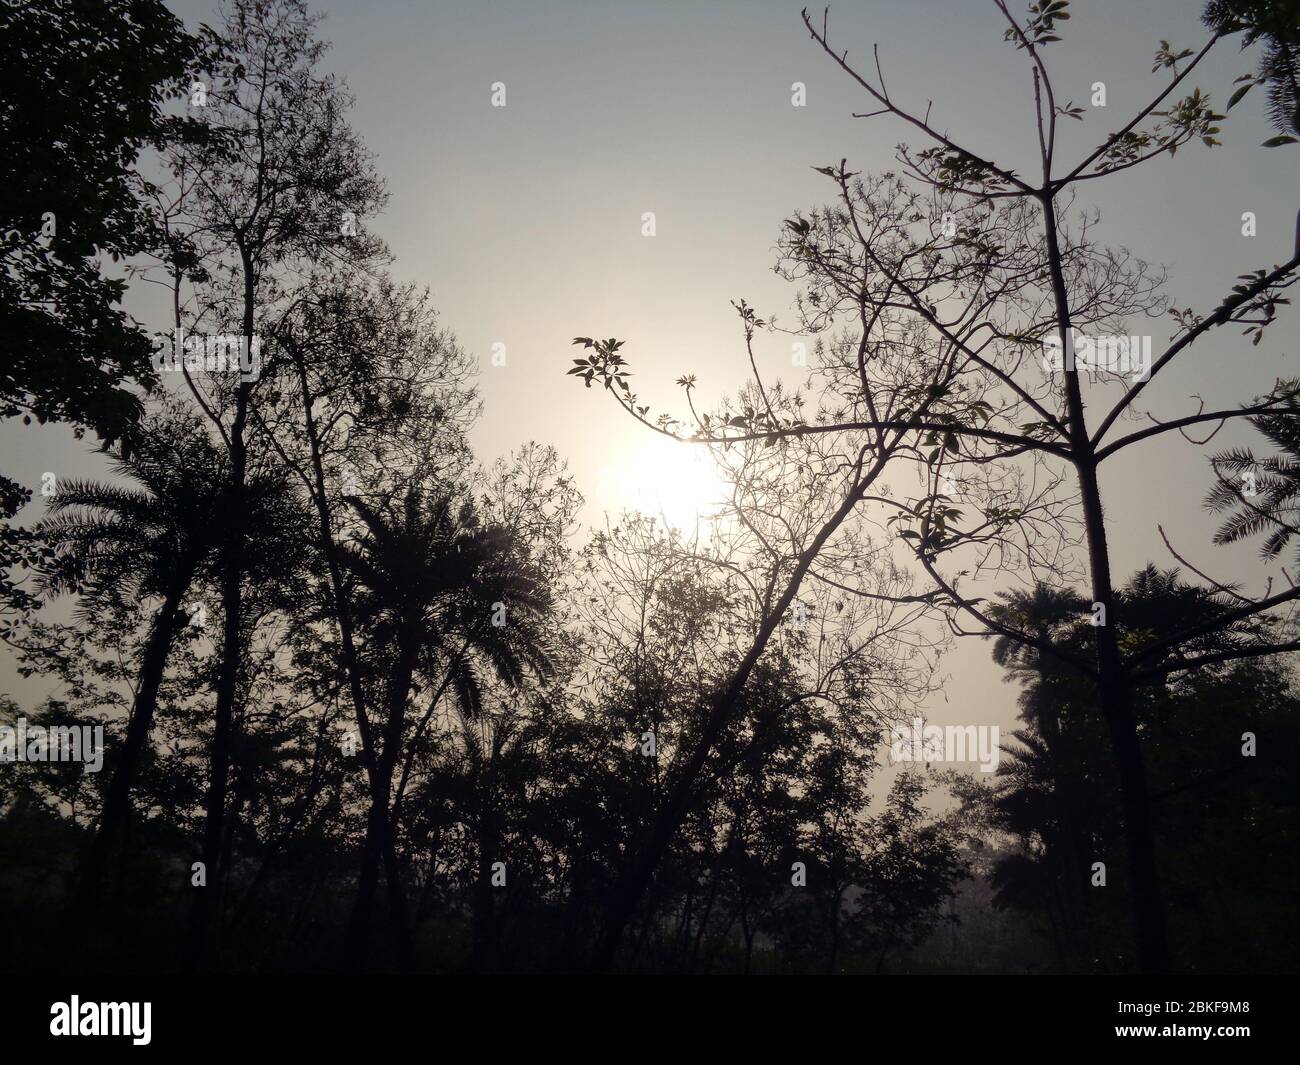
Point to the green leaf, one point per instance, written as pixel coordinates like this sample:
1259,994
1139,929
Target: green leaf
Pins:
1236,96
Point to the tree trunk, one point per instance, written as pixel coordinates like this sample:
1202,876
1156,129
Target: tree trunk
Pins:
835,932
354,947
206,914
379,837
117,800
483,913
1113,688
398,910
380,842
749,934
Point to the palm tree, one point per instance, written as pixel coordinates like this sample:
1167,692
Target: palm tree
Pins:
497,752
1273,507
1042,790
447,596
1050,614
155,538
1052,787
1277,23
126,543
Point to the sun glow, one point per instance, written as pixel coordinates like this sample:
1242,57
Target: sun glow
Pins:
676,482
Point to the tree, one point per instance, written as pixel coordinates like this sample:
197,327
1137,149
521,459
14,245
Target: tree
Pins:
73,194
377,395
1277,23
1262,495
1054,796
151,540
441,592
136,543
730,615
278,184
910,865
977,276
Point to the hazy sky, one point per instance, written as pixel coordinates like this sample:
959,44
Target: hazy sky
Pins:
525,221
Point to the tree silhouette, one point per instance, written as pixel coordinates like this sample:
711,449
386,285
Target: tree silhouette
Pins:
957,278
442,593
276,184
433,698
153,539
1271,505
73,193
1277,23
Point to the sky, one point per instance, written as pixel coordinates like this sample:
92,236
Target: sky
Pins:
525,221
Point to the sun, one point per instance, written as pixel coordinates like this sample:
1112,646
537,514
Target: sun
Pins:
678,483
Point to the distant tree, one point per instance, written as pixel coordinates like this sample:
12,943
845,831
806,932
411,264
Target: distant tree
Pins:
706,684
911,866
1055,791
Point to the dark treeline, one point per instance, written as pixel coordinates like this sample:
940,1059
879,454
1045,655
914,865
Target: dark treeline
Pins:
370,703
